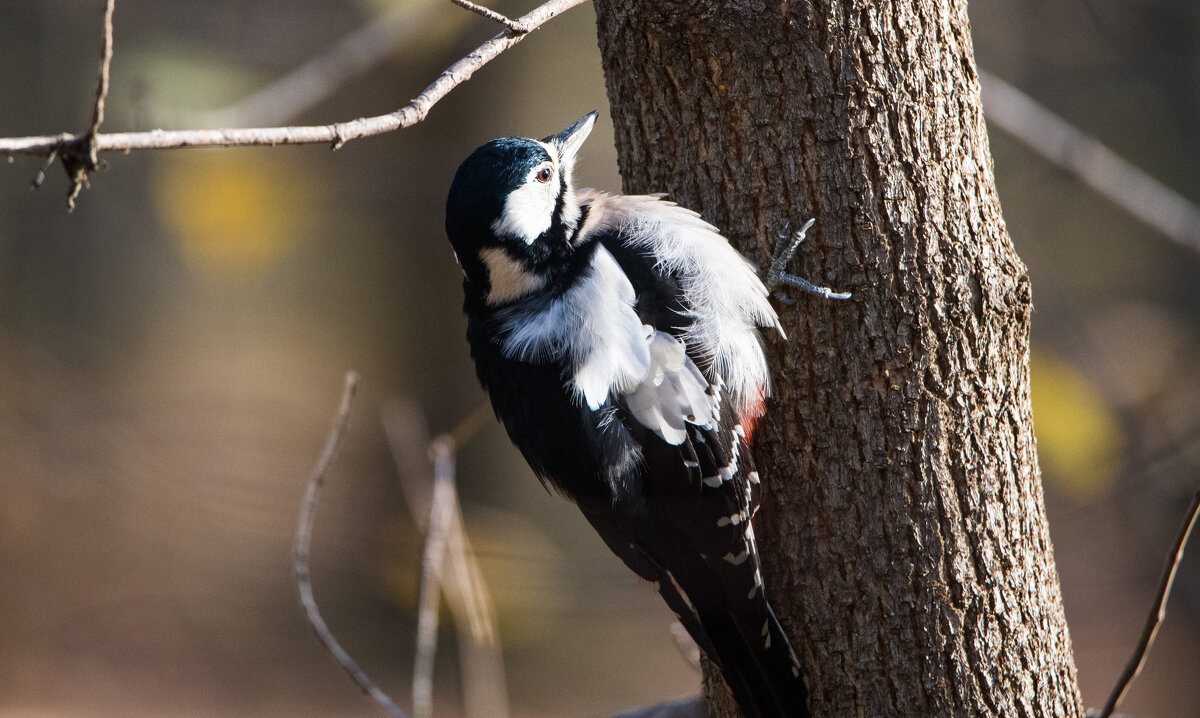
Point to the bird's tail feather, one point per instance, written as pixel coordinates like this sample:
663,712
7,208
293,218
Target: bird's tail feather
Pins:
761,674
739,633
747,643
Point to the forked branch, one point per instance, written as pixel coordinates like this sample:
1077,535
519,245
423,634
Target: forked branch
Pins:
335,134
514,25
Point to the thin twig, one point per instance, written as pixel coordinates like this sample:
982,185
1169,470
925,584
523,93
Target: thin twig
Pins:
335,134
1091,162
300,556
79,168
40,177
441,513
466,592
408,438
102,80
485,693
494,16
1157,613
482,665
465,589
473,423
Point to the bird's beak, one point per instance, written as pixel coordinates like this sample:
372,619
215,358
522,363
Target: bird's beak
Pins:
571,139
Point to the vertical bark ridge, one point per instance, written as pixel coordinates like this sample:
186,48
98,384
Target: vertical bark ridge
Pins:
904,526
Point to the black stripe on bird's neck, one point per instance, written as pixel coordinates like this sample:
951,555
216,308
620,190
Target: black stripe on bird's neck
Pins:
584,210
561,274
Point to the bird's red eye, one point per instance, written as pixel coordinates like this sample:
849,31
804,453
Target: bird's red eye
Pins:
543,175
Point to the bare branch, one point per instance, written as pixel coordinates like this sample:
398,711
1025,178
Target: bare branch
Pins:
441,512
494,16
300,556
408,439
473,423
1091,162
1157,613
335,134
102,80
483,683
40,177
79,167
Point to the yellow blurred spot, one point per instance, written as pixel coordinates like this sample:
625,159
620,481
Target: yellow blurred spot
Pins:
233,213
1079,437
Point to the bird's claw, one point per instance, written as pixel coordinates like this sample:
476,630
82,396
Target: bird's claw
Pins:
777,278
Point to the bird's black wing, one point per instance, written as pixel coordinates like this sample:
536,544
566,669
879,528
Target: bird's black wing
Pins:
693,535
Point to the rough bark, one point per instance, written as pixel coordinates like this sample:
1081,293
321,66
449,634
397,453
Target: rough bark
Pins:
904,529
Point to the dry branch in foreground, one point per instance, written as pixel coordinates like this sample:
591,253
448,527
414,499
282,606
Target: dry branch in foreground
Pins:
300,556
79,153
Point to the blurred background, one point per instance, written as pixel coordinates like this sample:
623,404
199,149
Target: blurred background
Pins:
171,356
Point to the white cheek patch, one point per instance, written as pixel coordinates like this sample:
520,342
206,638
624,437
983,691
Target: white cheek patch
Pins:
508,279
527,211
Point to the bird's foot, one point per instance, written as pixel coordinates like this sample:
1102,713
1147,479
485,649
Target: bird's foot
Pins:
778,278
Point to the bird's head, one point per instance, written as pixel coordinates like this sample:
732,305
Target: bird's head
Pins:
512,211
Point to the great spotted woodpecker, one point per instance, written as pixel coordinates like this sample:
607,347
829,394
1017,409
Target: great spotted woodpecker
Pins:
617,337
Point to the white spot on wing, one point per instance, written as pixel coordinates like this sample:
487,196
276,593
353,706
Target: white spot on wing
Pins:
739,559
679,589
734,519
727,472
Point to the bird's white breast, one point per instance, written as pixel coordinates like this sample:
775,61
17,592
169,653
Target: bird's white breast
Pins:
592,326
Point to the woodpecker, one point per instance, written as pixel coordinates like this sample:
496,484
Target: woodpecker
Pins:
617,337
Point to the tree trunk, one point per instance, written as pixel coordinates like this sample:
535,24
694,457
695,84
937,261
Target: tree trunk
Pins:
904,530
